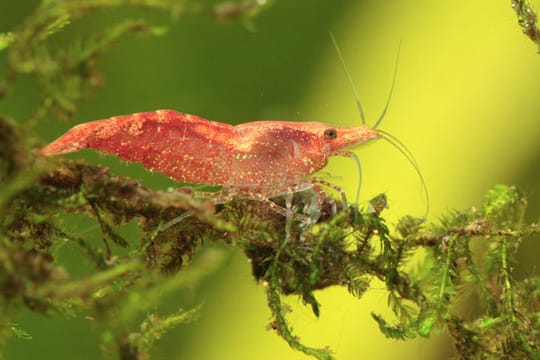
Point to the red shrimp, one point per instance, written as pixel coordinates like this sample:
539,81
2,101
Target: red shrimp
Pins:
256,157
258,160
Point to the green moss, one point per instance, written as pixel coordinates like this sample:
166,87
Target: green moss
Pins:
527,20
345,249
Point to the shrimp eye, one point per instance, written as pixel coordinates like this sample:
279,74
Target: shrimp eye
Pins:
330,134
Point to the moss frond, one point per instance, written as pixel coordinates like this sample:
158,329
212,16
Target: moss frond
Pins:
470,249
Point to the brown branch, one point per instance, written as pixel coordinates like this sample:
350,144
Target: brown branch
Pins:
527,20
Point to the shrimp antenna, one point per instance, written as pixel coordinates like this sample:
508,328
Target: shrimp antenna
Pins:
359,166
349,78
378,122
395,142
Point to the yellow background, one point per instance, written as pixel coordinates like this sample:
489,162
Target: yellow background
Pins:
466,103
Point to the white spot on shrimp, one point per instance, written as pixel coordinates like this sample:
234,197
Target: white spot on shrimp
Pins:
135,128
296,149
184,133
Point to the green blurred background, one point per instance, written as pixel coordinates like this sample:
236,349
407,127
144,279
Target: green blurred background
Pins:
466,103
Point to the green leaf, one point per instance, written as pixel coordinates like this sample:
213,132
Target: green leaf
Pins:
6,39
19,333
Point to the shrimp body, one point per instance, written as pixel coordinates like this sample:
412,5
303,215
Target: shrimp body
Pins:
261,155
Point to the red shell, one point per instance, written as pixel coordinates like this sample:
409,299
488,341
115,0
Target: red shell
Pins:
263,155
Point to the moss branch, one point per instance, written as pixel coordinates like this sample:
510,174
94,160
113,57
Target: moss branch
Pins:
527,20
346,248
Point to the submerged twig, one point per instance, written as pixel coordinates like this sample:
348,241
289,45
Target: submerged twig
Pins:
527,20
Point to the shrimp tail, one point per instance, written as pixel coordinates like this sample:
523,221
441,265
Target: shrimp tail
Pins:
109,136
75,139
